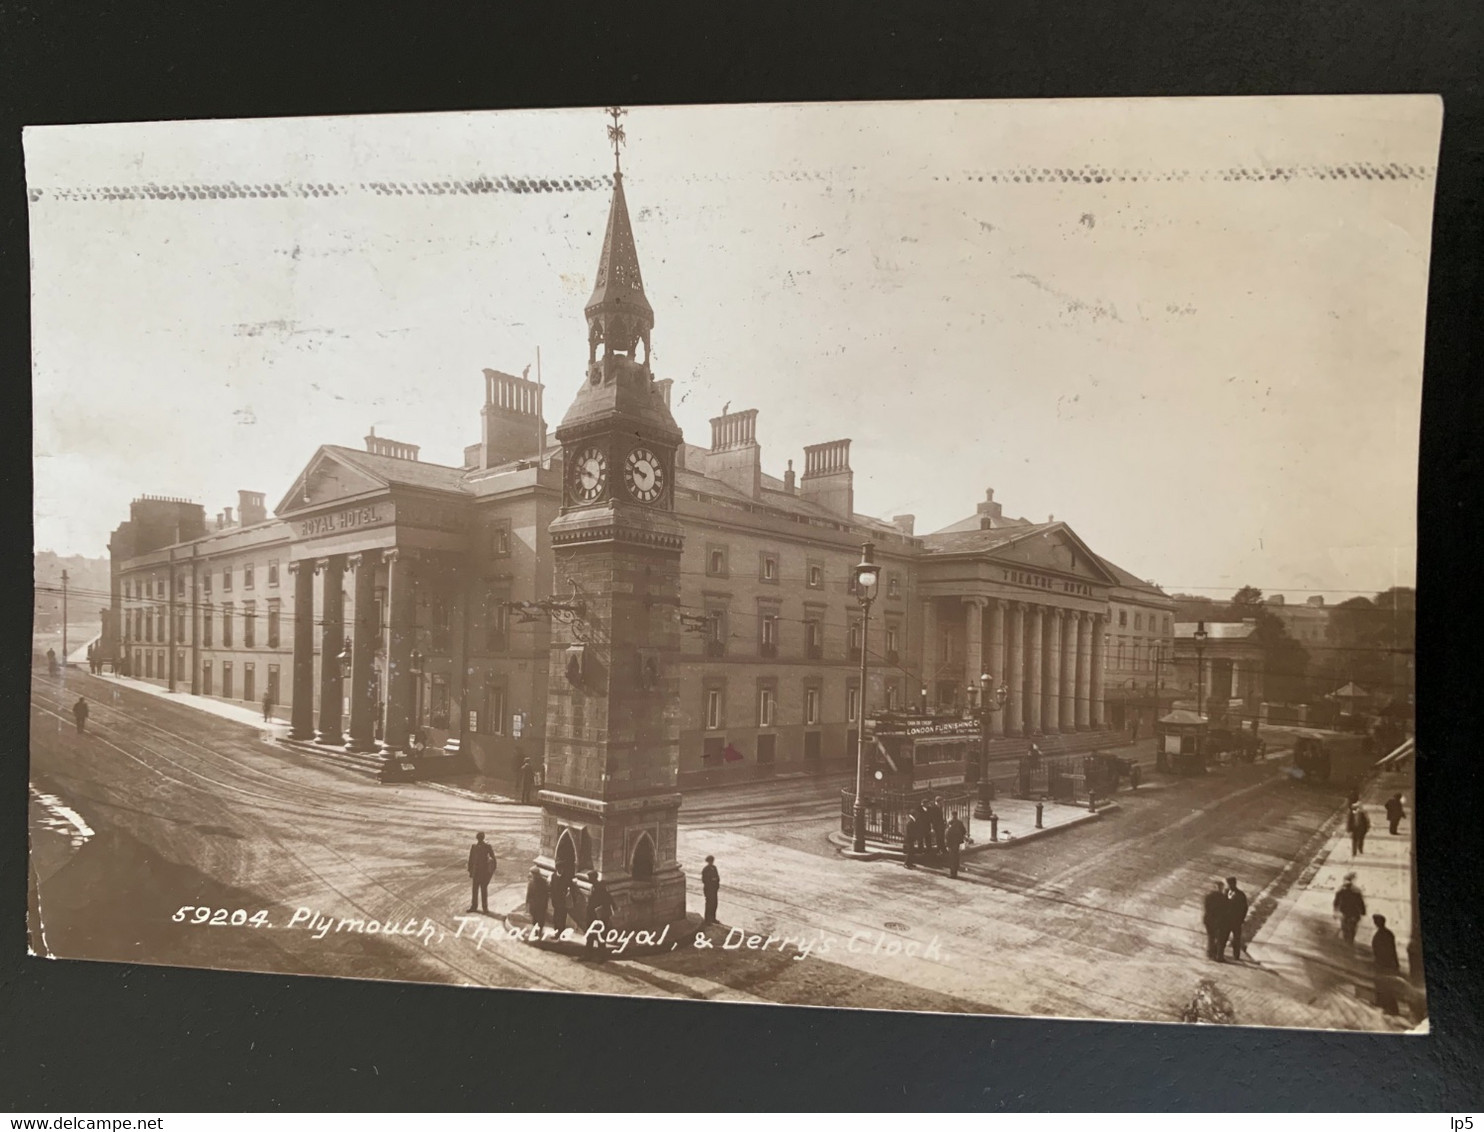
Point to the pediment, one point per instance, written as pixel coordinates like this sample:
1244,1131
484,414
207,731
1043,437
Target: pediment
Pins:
325,480
1056,549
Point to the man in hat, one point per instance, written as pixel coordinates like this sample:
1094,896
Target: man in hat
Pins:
955,835
710,885
599,913
1395,811
80,713
1214,918
1350,907
1388,968
481,869
1236,915
936,823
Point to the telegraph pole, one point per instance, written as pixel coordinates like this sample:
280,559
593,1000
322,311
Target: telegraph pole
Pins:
64,618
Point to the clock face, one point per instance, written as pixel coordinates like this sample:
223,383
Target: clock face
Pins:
645,475
589,475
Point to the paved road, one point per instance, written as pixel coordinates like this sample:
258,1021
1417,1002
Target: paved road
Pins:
187,809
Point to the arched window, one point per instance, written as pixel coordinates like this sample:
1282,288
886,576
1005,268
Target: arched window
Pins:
642,867
566,854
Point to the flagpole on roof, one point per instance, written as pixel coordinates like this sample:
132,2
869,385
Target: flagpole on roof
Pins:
540,421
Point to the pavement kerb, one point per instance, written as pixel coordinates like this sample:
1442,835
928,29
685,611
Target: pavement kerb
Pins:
877,851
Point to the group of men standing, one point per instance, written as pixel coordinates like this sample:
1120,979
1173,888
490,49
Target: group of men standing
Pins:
1225,916
926,831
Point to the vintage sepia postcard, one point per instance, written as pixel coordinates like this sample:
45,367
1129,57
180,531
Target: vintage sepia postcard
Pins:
451,564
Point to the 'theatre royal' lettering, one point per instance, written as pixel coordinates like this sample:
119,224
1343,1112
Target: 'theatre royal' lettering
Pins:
344,521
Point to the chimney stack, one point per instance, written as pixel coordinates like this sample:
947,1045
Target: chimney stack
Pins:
514,428
227,517
788,479
827,479
735,457
251,507
664,385
904,523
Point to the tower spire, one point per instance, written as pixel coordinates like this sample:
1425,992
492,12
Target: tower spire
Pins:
619,316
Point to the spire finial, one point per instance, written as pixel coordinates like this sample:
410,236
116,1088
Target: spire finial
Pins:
616,135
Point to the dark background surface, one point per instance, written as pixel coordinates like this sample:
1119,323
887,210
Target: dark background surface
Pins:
78,1037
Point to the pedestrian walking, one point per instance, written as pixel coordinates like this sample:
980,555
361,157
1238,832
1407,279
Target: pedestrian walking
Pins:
937,824
482,867
80,713
1350,907
1134,731
1236,915
536,901
559,889
1395,811
599,912
955,834
925,828
710,885
1350,803
267,707
1214,916
1360,825
1388,968
51,661
523,779
910,836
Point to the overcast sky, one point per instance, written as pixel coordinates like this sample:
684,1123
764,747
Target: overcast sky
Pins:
1192,329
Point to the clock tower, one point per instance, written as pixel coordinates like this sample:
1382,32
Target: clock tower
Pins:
612,737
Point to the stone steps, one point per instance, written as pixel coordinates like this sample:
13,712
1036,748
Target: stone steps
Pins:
365,763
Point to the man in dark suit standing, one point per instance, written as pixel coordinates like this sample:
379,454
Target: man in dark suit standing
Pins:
955,835
710,885
481,869
1236,915
1388,967
1214,918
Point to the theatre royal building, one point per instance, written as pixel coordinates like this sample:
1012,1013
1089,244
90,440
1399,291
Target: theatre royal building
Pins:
385,597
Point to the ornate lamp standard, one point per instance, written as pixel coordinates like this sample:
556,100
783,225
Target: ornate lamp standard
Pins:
416,670
867,576
988,702
1200,671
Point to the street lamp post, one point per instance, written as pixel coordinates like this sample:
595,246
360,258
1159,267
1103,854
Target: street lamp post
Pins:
867,576
1200,670
416,664
988,702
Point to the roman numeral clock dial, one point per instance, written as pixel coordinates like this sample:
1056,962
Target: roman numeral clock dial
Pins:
589,475
644,473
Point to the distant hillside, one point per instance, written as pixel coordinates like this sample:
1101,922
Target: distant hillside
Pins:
87,588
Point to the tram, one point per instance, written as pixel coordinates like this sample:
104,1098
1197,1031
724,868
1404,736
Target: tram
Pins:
920,756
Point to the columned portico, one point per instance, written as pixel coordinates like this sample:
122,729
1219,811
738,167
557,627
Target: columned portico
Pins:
1068,670
1015,663
998,675
363,648
1035,720
1099,662
302,724
332,643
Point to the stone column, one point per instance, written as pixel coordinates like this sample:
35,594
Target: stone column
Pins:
1051,708
332,642
1084,671
401,611
997,674
1069,670
930,650
973,646
1035,718
363,648
1015,668
1099,661
302,719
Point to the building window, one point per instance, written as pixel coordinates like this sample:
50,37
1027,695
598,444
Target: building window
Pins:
496,622
1120,655
136,663
1138,621
273,682
855,640
247,580
767,706
814,638
180,585
159,587
500,539
893,586
149,630
206,615
249,624
206,677
249,682
160,626
716,632
814,576
811,705
273,614
149,664
227,679
713,709
439,624
768,635
767,749
227,580
1123,619
272,582
226,632
206,582
494,708
438,702
891,697
852,703
1107,653
716,561
180,627
767,569
891,645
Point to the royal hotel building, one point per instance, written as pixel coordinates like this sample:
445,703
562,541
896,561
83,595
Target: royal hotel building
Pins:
385,596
